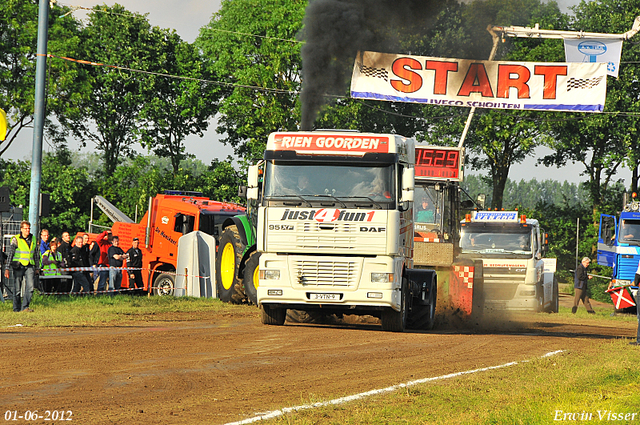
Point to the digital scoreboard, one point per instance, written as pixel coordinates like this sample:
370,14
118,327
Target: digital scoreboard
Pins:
439,163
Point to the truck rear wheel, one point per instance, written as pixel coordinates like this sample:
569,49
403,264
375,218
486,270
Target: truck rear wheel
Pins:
164,285
396,321
228,283
424,316
250,279
273,315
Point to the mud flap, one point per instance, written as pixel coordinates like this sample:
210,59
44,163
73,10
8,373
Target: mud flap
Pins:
465,287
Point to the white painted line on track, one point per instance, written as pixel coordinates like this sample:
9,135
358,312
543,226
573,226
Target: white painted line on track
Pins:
341,400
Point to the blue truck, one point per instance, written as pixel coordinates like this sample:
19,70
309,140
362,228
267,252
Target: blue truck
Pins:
619,244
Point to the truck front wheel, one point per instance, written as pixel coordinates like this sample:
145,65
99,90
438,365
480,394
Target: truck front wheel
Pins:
396,321
273,315
164,285
228,283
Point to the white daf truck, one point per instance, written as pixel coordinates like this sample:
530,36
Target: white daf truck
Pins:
510,272
335,228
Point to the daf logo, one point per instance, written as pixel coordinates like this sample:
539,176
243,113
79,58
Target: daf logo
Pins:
165,220
592,48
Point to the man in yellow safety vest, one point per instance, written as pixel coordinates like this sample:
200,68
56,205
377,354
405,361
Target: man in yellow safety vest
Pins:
22,257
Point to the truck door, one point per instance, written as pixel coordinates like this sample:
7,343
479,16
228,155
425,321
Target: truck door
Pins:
607,240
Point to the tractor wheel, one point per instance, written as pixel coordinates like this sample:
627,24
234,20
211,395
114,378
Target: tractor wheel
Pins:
250,279
164,285
396,321
424,316
228,283
273,315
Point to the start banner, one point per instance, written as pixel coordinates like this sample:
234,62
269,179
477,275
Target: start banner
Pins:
568,87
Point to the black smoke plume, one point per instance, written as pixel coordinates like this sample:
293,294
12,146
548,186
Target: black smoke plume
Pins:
335,30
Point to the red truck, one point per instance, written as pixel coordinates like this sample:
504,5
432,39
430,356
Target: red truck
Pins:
169,216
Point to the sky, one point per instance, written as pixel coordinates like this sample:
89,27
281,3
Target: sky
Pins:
187,17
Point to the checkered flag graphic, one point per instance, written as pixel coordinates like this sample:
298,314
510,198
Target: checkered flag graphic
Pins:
580,83
374,72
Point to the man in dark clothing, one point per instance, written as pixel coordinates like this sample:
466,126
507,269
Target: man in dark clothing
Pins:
23,258
116,258
77,258
134,260
65,247
580,286
86,255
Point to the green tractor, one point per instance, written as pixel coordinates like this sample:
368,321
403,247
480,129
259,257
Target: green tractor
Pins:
237,260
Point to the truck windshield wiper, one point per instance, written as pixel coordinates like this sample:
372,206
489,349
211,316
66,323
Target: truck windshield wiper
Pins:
367,198
326,195
274,197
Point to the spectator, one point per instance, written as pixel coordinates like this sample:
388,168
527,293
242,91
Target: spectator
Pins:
22,257
44,241
87,257
116,258
51,264
103,244
65,248
134,260
580,287
77,259
94,258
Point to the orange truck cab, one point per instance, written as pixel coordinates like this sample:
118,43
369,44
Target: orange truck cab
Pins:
170,216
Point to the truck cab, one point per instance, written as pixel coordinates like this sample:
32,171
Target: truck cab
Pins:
510,272
335,228
619,244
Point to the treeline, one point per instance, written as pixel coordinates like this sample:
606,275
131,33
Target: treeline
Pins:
246,70
72,181
529,194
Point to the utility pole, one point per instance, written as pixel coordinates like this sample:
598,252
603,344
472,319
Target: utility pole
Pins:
38,116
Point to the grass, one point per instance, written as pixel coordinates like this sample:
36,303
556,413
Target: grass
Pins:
604,378
52,311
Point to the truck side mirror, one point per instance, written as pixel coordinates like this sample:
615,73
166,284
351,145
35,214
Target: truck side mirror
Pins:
408,182
252,182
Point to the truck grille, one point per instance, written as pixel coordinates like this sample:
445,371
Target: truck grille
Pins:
330,241
326,273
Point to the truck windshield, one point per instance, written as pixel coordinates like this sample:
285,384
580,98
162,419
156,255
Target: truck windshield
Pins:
629,231
338,183
517,241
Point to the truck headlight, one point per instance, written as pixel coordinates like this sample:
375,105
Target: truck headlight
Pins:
381,277
269,274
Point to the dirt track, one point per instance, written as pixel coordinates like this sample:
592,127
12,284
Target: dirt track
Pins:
198,369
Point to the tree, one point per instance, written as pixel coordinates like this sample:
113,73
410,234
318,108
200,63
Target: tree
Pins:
110,117
603,142
250,47
67,83
181,106
69,188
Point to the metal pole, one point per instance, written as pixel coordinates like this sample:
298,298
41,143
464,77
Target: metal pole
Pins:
577,239
38,116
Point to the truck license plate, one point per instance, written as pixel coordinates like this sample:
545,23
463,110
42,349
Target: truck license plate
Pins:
324,297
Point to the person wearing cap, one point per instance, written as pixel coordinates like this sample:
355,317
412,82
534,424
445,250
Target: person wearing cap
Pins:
134,261
580,286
